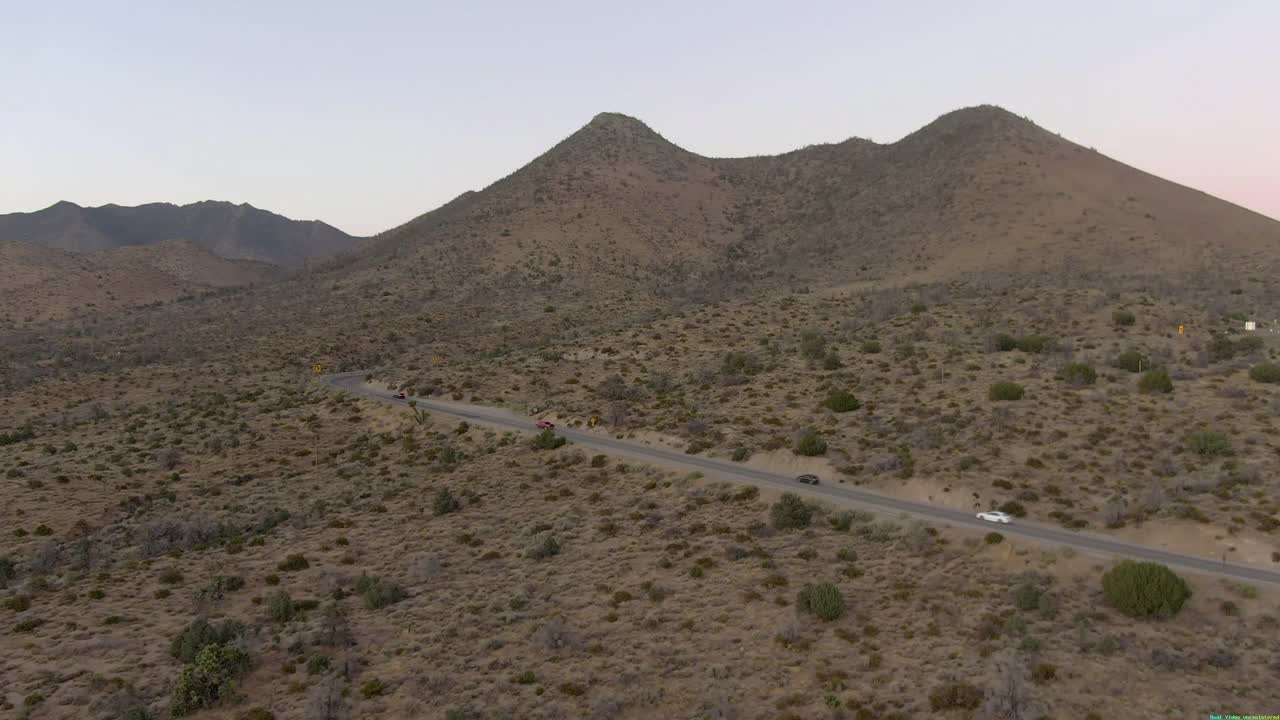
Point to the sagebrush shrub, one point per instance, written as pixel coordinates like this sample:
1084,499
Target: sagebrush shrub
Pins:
1123,318
1156,381
293,562
209,678
810,443
1006,391
379,593
823,600
1079,374
1144,589
790,513
444,502
1265,373
1208,444
740,363
1130,360
549,547
548,440
201,634
955,694
280,606
1034,343
841,401
8,572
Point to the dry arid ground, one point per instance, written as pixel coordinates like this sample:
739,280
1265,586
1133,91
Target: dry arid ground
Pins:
748,378
265,502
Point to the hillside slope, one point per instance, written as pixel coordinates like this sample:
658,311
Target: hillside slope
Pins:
236,232
39,283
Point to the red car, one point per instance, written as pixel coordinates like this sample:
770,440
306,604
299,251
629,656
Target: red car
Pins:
544,425
400,396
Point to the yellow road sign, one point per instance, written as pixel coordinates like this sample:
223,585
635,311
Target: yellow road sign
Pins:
1182,329
594,419
317,369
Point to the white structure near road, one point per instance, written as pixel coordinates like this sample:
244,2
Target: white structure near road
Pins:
1250,325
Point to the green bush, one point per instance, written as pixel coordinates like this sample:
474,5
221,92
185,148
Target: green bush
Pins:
741,454
1044,673
209,679
1249,344
1156,381
823,600
1034,344
1130,360
955,694
548,440
1123,317
1014,508
1026,597
8,572
1079,374
444,502
993,538
740,363
23,433
293,562
280,607
810,444
379,593
1144,589
812,344
870,347
550,547
1265,373
1221,348
1005,391
201,634
599,461
790,512
317,664
1208,444
372,688
841,401
1004,342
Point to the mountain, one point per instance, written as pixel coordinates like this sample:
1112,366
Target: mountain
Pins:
39,283
235,232
616,214
615,225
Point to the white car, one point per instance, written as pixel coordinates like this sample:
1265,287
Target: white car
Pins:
995,517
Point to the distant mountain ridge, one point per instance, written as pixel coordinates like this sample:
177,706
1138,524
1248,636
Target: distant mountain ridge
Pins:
230,231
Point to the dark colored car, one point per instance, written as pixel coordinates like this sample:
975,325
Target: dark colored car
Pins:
400,396
544,425
808,479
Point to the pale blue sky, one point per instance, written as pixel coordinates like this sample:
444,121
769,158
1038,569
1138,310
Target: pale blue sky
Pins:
365,114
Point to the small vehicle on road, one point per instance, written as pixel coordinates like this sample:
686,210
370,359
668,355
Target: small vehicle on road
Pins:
544,425
995,517
807,479
400,395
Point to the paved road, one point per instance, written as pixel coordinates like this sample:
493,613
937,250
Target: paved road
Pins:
353,382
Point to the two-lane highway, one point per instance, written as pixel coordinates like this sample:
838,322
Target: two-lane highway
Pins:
842,495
